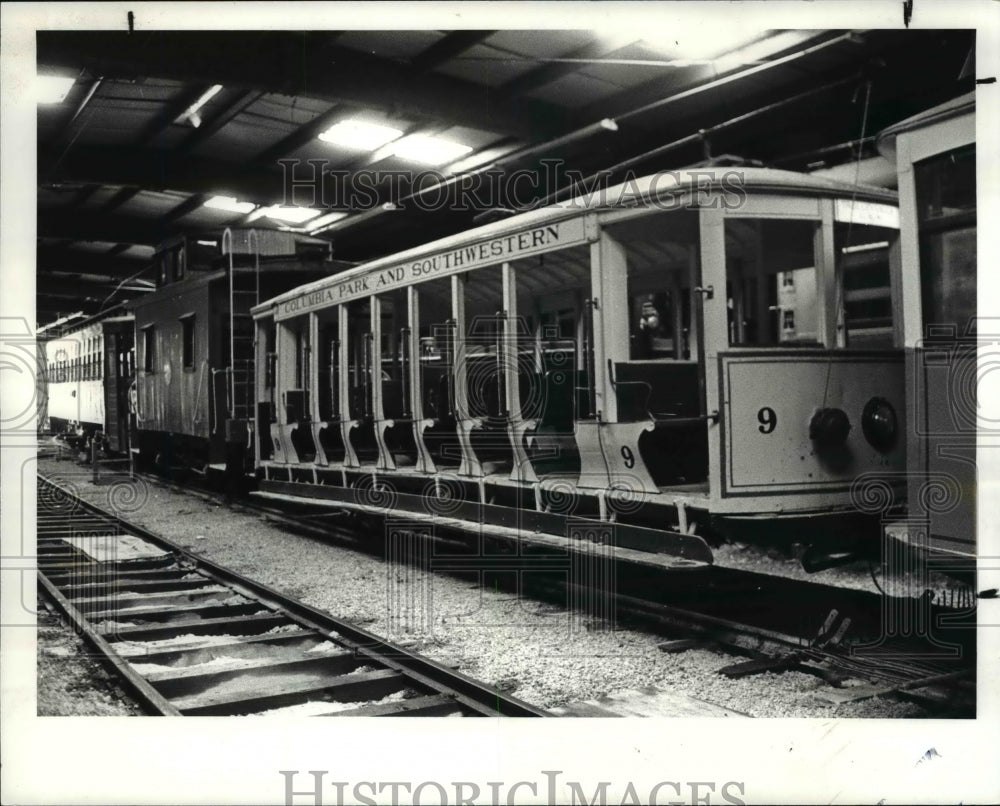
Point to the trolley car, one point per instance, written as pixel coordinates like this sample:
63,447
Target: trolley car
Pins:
673,360
88,370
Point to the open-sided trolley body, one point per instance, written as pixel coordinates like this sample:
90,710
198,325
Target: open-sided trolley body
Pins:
689,352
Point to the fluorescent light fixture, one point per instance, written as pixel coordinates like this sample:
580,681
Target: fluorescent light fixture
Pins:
191,113
326,220
761,51
293,215
52,89
208,243
360,134
429,150
229,204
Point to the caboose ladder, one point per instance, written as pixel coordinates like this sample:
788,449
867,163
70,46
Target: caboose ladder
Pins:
244,294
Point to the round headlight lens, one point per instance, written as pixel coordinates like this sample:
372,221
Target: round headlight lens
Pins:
829,428
879,424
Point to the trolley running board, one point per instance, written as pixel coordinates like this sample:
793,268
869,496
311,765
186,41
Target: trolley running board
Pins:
581,536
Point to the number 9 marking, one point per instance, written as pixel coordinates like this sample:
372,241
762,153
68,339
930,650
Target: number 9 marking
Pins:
628,456
768,420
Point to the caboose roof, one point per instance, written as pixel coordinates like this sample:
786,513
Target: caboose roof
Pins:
660,187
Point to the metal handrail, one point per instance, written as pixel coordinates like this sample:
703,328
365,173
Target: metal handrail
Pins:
405,362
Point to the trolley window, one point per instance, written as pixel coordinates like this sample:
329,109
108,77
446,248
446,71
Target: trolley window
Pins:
946,209
771,288
662,255
865,303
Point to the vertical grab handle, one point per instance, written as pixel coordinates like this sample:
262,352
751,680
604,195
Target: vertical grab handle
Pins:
405,361
367,374
500,320
590,357
335,379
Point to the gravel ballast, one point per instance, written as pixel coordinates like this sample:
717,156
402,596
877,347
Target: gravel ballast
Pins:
70,680
541,653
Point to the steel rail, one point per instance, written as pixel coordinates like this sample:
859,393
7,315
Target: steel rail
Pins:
738,633
474,695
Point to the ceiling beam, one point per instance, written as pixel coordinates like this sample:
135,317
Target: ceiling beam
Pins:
218,118
446,48
73,287
189,205
172,109
302,135
553,71
297,63
170,112
51,308
90,226
77,261
116,201
158,169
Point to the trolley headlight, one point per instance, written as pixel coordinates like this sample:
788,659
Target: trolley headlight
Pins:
829,428
879,424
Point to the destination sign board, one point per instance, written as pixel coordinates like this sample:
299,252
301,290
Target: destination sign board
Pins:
486,252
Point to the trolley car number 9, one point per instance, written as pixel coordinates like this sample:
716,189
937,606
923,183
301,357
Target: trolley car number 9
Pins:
768,420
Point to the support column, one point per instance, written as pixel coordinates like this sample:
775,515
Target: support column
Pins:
425,464
516,425
714,326
344,388
470,465
260,385
609,298
608,285
827,282
696,349
315,423
281,431
385,460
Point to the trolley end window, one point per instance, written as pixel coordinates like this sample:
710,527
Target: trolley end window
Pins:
946,204
771,286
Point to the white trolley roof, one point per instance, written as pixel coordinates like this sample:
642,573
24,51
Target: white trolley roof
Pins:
556,226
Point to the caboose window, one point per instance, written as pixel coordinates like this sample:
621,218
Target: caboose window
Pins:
148,347
187,340
180,260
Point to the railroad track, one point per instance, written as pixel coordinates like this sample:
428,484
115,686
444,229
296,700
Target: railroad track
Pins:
780,624
189,637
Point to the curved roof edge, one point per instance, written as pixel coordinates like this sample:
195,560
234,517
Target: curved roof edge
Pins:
649,189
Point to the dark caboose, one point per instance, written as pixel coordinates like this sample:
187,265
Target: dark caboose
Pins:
194,342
